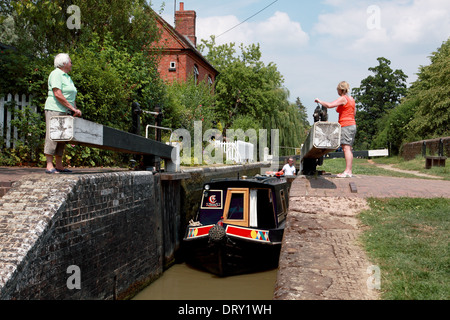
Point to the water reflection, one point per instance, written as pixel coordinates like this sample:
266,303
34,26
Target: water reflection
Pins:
182,282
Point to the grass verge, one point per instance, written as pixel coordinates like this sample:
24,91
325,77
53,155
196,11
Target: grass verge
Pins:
417,164
409,240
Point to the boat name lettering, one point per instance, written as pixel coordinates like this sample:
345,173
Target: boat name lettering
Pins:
213,200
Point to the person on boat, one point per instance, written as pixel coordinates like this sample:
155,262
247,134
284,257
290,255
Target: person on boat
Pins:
289,168
346,107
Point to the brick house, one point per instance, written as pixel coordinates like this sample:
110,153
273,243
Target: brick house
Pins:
180,57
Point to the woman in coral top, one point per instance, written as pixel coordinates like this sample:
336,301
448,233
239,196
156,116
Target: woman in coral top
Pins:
345,106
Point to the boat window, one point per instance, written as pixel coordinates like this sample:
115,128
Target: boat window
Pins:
236,207
266,212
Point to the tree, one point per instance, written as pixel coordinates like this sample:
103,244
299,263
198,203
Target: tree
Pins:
303,112
187,102
425,111
42,25
431,92
377,95
245,86
394,126
250,94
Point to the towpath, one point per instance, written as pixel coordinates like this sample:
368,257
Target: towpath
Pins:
321,257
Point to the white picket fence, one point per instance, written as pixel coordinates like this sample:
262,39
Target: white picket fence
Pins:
7,131
237,152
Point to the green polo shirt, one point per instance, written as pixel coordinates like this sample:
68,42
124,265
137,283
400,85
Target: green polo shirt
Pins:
61,80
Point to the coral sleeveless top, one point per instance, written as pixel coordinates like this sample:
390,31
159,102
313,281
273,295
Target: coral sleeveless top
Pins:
347,113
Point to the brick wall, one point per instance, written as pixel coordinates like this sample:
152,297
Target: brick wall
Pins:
185,23
411,150
174,49
106,224
184,67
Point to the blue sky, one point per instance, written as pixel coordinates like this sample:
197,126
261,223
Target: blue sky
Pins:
317,44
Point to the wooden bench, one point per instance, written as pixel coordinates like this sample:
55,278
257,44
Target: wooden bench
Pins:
434,162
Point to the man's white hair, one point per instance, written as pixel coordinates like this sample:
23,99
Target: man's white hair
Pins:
61,60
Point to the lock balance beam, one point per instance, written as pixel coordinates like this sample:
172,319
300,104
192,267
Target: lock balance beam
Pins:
83,132
324,137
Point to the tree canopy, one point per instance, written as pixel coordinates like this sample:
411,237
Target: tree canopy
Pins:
44,27
250,94
378,94
424,113
431,92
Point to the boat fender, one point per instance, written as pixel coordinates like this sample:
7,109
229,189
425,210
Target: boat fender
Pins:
217,233
193,223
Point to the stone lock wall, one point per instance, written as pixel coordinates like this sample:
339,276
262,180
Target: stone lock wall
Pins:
102,230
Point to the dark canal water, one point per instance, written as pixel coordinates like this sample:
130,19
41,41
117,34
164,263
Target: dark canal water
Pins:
182,282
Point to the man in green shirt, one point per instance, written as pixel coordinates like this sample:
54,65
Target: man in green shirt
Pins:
61,101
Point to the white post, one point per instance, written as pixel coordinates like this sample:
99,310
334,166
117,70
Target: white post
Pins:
8,122
2,115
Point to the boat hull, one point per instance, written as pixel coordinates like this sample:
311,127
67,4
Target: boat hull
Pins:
231,255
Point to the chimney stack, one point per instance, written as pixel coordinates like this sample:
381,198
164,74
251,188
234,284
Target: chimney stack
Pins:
185,23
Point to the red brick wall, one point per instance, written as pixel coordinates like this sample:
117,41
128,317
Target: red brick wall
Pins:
203,69
171,75
173,50
185,62
185,24
185,59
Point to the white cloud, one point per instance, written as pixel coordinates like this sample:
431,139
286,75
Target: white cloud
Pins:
424,21
220,24
279,30
401,23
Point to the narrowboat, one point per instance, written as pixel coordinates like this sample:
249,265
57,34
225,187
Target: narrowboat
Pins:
239,225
